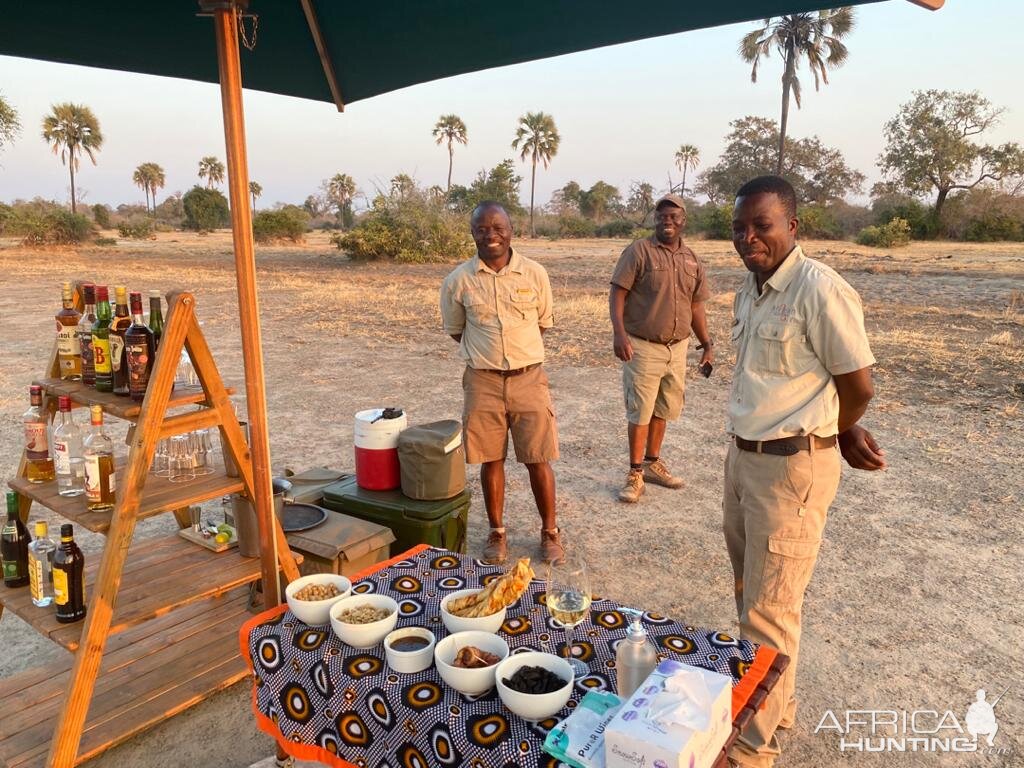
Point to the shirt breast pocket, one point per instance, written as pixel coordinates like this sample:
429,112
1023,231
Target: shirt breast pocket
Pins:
524,303
478,308
783,349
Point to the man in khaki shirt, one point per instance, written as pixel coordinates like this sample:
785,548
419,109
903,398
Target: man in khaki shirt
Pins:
802,382
496,306
657,296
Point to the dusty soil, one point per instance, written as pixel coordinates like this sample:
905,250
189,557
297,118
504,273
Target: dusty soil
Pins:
915,602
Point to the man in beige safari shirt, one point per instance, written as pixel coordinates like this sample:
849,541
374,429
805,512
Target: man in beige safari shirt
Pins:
801,383
496,306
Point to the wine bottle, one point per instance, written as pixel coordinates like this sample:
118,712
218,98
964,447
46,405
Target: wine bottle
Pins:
101,341
69,353
69,578
85,334
14,541
118,328
39,461
156,318
139,350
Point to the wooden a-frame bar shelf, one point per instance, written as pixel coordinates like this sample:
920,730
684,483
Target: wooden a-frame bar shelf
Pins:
116,405
159,576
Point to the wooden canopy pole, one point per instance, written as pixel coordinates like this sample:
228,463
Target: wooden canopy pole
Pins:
225,16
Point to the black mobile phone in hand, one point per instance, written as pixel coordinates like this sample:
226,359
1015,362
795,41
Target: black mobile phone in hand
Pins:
705,370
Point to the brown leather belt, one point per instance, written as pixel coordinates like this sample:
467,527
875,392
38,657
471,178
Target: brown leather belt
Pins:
513,372
785,446
670,343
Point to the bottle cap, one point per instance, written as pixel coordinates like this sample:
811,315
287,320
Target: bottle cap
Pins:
102,294
64,403
120,292
41,529
66,290
154,294
96,414
35,389
89,291
136,302
67,531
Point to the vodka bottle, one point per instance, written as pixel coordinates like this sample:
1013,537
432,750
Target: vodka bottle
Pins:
67,452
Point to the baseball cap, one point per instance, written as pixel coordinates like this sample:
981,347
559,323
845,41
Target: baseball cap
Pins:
675,200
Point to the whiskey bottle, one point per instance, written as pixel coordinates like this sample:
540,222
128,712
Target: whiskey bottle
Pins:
69,353
101,342
100,478
85,334
68,578
40,566
139,350
39,462
14,542
67,452
118,327
156,318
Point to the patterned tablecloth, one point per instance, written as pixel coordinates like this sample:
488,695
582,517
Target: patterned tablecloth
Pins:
322,700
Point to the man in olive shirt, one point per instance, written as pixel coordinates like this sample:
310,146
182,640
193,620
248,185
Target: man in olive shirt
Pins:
658,291
496,306
802,381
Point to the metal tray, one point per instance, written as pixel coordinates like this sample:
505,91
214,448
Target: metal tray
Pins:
297,516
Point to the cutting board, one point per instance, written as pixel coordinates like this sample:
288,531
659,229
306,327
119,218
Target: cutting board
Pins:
197,538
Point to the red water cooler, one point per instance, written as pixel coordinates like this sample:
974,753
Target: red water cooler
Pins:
376,444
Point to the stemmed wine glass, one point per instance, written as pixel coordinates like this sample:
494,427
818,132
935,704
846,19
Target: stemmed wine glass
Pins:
568,602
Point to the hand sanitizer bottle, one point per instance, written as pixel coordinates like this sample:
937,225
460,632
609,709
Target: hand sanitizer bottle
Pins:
636,656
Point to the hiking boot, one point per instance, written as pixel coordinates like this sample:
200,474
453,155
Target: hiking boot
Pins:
551,549
497,548
634,487
656,472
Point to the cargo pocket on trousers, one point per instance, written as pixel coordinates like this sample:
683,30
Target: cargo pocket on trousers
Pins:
788,566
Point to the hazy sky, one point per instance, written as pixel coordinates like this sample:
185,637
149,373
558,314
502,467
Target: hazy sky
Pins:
622,111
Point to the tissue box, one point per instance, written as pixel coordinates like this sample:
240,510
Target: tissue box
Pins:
578,741
631,740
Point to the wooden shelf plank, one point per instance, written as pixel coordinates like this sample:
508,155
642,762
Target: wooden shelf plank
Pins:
148,673
161,575
117,405
159,495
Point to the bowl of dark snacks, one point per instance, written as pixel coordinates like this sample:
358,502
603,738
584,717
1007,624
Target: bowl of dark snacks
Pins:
534,685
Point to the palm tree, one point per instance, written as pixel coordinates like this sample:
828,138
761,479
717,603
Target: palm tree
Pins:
255,190
816,35
537,137
211,169
140,178
450,128
72,129
157,179
687,158
340,189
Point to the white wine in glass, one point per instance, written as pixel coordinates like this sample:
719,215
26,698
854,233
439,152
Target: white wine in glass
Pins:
568,602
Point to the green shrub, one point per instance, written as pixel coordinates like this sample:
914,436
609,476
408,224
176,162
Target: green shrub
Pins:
919,217
575,226
713,221
105,241
412,228
894,234
618,228
818,222
992,227
205,209
6,214
288,223
136,228
639,233
101,215
55,227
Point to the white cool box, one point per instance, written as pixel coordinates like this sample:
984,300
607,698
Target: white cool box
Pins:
679,717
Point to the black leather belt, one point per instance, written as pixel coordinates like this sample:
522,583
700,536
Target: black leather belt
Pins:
670,343
785,446
513,372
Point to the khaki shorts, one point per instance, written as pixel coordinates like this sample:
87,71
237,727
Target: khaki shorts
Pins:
495,405
654,381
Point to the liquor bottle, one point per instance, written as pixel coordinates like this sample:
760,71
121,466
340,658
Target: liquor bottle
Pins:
101,342
85,334
14,542
156,318
37,440
635,657
69,353
68,578
100,479
118,327
67,452
139,350
40,566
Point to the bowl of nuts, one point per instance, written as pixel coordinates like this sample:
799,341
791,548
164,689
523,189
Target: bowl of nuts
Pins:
534,685
310,597
362,621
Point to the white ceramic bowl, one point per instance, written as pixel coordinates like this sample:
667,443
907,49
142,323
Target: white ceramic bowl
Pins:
315,612
534,706
410,661
469,681
364,635
455,623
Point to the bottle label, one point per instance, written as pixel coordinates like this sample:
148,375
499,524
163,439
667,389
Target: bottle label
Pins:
112,483
101,355
67,341
11,569
36,445
139,367
35,577
116,351
62,457
93,491
60,586
85,349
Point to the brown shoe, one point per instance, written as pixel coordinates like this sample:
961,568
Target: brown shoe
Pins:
656,472
497,548
634,487
551,549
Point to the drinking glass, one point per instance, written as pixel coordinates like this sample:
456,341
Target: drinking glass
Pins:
180,460
568,601
201,445
161,465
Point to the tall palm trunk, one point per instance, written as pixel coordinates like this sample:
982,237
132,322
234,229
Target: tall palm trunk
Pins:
71,168
152,198
451,159
683,190
145,190
787,83
533,182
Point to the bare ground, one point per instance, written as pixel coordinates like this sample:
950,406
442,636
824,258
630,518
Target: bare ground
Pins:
915,602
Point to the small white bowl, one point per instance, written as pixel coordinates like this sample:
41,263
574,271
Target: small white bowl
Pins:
455,623
534,706
316,612
471,682
364,635
410,661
